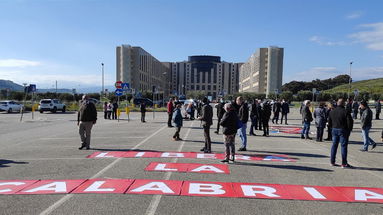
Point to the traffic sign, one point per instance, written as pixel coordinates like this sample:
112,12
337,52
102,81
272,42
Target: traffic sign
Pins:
125,86
32,88
118,92
118,84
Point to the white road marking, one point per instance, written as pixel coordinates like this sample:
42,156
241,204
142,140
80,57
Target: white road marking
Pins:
55,205
151,210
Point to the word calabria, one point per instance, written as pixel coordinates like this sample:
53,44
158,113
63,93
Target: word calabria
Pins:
193,188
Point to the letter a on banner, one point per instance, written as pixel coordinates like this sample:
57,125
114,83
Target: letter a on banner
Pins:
166,187
11,187
52,187
209,168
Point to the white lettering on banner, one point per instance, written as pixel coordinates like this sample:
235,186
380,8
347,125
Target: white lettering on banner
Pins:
104,155
250,190
208,156
10,183
208,189
162,166
207,168
269,158
314,193
139,154
59,186
364,195
95,187
154,186
172,155
242,157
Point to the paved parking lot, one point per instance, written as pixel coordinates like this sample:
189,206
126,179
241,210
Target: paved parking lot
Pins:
47,148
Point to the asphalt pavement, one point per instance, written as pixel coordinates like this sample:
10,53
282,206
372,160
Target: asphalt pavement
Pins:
46,147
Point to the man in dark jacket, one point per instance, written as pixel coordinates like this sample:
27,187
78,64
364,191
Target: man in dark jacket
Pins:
307,118
207,121
259,111
320,121
86,118
341,123
143,111
366,124
243,115
276,111
265,115
114,110
220,113
378,109
254,116
285,110
177,120
170,107
229,129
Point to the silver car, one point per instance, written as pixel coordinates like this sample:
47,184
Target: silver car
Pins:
10,106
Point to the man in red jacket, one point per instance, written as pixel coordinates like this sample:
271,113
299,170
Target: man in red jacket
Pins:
170,112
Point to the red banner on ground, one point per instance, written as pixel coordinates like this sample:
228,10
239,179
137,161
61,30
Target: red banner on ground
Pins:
52,187
104,186
13,186
162,187
188,167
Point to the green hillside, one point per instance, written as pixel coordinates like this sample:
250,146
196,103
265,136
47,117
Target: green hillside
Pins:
372,86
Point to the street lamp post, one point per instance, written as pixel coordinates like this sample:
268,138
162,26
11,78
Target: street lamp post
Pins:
349,81
102,68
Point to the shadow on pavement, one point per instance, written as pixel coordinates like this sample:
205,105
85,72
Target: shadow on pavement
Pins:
291,167
200,141
369,168
3,163
299,154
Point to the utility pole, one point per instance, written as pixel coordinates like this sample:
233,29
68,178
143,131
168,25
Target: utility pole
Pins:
56,89
349,81
102,92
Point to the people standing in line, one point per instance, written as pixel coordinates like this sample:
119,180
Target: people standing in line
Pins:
177,120
86,118
285,110
276,111
265,114
207,120
320,121
307,118
143,111
105,110
341,125
254,116
220,113
355,109
170,109
329,108
114,110
229,130
242,111
366,124
110,109
378,109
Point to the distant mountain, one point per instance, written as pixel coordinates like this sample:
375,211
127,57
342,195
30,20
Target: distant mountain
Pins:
6,84
54,90
373,86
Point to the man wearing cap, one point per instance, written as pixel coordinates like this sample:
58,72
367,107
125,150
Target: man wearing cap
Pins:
86,118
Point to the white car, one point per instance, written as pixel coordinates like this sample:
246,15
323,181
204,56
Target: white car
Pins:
10,106
52,105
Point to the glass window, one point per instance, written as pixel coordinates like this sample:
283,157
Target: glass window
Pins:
203,87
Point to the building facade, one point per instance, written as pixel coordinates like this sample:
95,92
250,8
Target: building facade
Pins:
206,74
140,69
263,71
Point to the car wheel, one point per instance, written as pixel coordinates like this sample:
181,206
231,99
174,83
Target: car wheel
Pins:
41,111
64,109
54,110
10,110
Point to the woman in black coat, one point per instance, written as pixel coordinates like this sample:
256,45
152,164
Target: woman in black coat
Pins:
229,125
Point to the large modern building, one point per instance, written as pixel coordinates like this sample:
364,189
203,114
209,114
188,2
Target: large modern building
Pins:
204,73
140,69
262,73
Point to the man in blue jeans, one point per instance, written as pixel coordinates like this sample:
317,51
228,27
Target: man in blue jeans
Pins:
341,122
366,124
242,110
307,118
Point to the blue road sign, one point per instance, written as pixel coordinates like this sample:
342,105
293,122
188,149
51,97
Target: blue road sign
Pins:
125,86
32,88
118,92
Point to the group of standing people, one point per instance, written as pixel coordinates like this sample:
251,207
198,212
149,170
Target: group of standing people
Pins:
110,110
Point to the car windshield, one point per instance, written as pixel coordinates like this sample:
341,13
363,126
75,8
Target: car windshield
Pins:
45,101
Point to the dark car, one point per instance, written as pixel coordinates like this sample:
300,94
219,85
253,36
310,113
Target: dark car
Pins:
138,101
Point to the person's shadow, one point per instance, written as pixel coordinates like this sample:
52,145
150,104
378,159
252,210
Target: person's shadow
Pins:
4,163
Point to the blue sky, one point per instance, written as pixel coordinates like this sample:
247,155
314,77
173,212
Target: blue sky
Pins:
66,40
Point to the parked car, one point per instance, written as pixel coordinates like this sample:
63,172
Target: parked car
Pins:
10,106
138,101
52,105
94,101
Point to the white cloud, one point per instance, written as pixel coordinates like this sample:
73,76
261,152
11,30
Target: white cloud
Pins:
372,38
325,42
367,73
18,63
354,15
